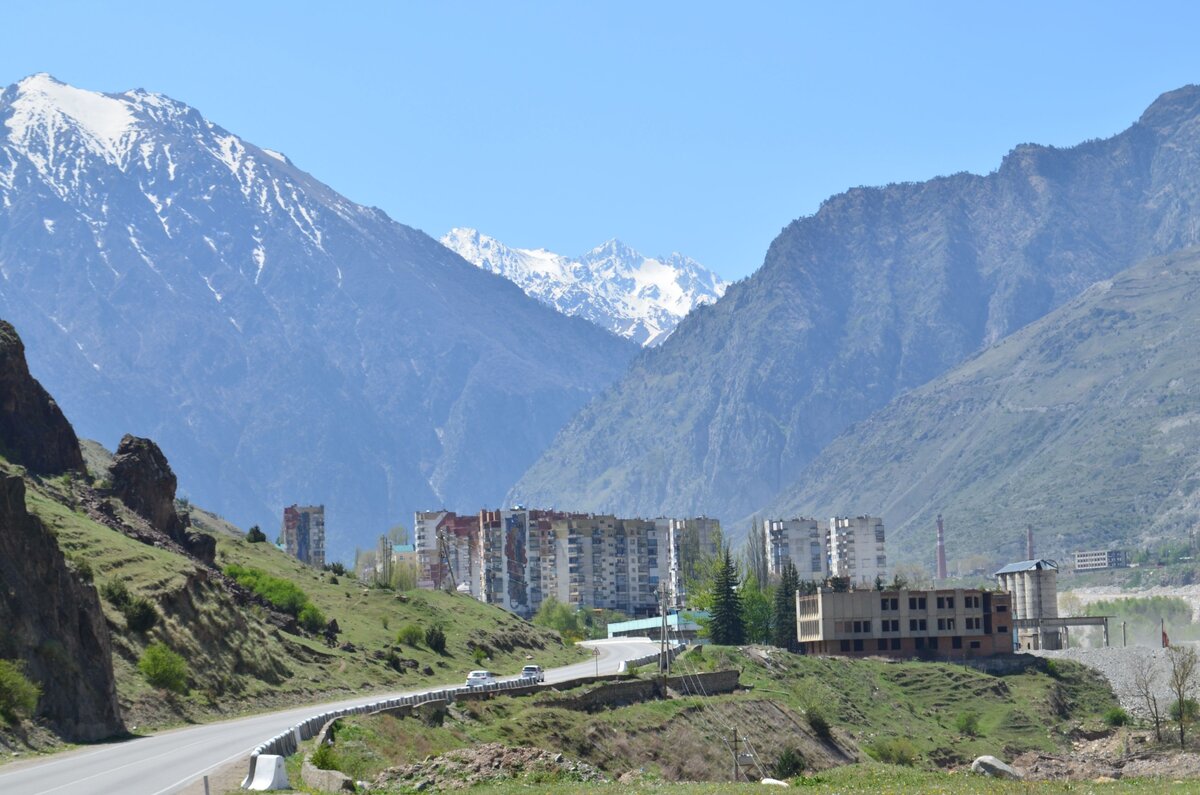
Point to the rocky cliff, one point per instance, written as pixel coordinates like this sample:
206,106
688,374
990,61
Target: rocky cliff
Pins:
53,622
33,430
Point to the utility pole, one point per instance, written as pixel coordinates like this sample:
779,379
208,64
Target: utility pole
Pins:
735,754
662,640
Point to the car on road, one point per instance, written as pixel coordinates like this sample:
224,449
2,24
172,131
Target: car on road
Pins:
534,672
480,678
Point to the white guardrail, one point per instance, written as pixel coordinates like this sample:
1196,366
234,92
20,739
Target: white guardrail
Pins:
288,742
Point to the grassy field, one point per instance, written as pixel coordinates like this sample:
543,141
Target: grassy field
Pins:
251,665
874,710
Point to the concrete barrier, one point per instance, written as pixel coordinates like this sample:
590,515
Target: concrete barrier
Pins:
268,774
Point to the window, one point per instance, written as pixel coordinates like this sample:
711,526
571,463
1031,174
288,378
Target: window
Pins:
916,624
919,643
895,644
956,642
845,645
881,645
1000,630
974,644
885,604
949,602
895,604
941,603
916,603
858,645
933,643
1001,608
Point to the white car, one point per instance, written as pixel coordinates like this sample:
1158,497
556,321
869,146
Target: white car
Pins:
533,672
480,678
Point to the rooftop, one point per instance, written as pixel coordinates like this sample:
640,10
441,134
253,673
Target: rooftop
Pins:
1027,565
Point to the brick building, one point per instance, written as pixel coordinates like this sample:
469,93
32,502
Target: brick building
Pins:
304,533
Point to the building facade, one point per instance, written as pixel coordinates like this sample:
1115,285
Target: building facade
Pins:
689,542
857,549
1093,559
952,623
802,542
447,550
304,533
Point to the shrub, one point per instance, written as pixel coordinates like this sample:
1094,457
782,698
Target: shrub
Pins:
819,724
255,535
896,751
1189,709
283,594
410,635
479,655
435,638
115,592
1116,717
18,695
1053,669
140,614
164,668
311,618
967,723
83,569
789,764
385,622
324,758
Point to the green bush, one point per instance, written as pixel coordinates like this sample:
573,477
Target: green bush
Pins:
18,695
967,723
896,751
311,618
255,535
140,614
283,594
164,668
1189,709
479,655
83,569
115,592
789,764
435,638
1116,717
410,635
819,724
324,758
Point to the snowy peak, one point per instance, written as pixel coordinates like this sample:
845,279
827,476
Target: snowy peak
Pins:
43,108
638,297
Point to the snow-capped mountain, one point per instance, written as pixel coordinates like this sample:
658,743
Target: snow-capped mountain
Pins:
282,343
637,297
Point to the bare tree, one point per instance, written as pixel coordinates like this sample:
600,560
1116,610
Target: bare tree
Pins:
1145,685
755,556
1185,667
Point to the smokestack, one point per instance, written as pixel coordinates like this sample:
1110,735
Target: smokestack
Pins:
1028,542
941,549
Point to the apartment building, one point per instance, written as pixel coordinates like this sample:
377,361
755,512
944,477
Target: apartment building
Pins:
856,549
1093,559
304,533
689,541
447,550
951,623
800,541
600,561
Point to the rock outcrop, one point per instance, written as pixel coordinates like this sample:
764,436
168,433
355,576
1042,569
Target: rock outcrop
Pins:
142,479
33,430
53,623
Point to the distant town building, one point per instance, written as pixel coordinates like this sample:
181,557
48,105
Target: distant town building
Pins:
1101,559
680,626
517,558
304,533
947,623
800,541
856,549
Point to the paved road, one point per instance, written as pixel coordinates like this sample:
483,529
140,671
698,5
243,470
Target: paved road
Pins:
166,762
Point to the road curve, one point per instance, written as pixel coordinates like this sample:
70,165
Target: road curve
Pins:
166,762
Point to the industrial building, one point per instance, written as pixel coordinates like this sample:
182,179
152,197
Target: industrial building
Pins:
680,626
1094,559
304,533
951,623
1034,588
849,547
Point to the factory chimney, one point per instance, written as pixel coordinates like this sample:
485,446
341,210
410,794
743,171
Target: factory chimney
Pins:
1028,542
941,549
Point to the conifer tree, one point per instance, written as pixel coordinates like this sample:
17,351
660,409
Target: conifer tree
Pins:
783,613
726,628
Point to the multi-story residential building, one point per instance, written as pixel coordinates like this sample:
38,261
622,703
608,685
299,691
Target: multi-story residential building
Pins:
605,562
448,550
689,542
801,541
1101,559
904,623
304,533
856,549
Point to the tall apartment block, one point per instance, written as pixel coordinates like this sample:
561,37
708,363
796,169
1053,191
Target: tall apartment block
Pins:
801,541
517,558
304,533
851,547
856,549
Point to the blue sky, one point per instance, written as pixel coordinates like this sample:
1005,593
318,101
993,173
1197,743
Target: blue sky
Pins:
693,127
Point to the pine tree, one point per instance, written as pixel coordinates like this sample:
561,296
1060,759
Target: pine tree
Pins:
726,628
783,613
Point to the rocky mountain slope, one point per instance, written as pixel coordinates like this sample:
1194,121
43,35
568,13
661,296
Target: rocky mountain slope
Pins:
634,296
279,341
880,291
1085,424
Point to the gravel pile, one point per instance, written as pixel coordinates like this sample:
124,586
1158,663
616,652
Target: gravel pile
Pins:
1117,664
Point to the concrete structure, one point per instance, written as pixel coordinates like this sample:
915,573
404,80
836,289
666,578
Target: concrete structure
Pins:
1091,560
952,623
690,541
800,541
941,549
447,549
680,626
600,561
304,533
856,549
1034,588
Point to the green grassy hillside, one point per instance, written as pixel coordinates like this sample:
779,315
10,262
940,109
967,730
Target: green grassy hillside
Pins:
249,662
